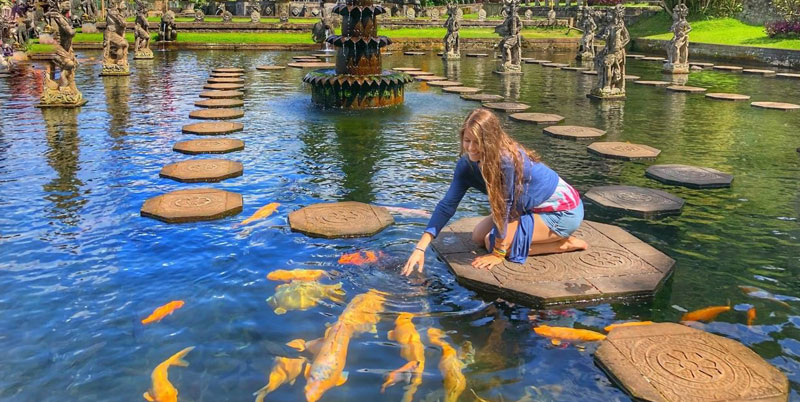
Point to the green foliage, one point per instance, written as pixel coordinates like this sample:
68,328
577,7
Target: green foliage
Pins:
790,9
707,8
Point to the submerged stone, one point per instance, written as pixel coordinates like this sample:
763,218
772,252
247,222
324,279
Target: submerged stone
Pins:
537,118
340,219
689,176
507,106
573,132
640,201
623,150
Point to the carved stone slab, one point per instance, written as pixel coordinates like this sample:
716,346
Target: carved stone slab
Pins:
623,150
406,69
219,103
616,265
689,176
270,68
223,87
573,132
212,128
788,75
413,53
684,88
202,204
221,94
461,90
418,73
431,78
445,83
312,64
208,146
202,170
537,118
226,75
225,80
652,83
758,71
644,202
216,114
482,97
555,65
673,362
727,97
507,106
228,70
340,219
775,105
728,68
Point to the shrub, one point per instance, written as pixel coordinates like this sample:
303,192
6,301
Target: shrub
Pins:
789,9
783,29
708,8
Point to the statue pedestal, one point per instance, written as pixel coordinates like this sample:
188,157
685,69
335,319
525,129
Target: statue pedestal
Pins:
115,70
606,96
508,70
143,54
54,96
89,27
585,56
451,56
670,68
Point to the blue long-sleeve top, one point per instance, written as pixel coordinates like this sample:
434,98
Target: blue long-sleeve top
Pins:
538,184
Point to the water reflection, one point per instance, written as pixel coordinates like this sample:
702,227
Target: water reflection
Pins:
63,154
511,86
359,142
452,69
118,93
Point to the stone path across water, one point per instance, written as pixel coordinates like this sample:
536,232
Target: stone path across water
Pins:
758,71
223,87
589,72
340,219
445,83
727,96
555,65
775,105
684,88
216,114
573,132
209,146
431,78
221,94
201,204
623,150
507,106
312,64
640,201
418,73
652,83
406,69
202,170
477,55
536,61
482,97
225,80
228,70
575,68
220,103
227,75
728,68
213,128
700,64
788,75
461,90
689,176
652,58
270,68
537,118
413,53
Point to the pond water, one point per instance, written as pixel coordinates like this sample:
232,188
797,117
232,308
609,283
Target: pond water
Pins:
80,268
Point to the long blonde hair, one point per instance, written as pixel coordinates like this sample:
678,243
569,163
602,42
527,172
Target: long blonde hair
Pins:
495,145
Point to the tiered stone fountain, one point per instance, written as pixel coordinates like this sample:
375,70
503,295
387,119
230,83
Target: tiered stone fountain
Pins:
358,82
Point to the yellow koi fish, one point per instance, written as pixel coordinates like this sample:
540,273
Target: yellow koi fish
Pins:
163,311
627,324
412,349
285,370
327,369
705,314
362,312
454,381
162,390
558,334
283,275
299,295
262,213
397,375
751,316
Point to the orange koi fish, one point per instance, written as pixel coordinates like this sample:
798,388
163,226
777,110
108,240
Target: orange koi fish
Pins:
305,275
163,311
299,295
627,324
558,334
285,370
705,314
326,371
751,316
368,257
162,390
412,349
397,375
361,314
262,213
454,381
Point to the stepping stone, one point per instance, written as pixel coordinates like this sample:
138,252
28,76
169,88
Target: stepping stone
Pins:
652,58
225,80
726,96
445,83
340,219
652,83
461,90
555,65
202,170
574,68
684,88
616,265
270,68
219,103
221,94
644,202
635,56
312,64
695,68
228,70
623,150
406,69
758,71
383,53
672,362
202,204
413,53
573,132
536,61
689,176
223,87
209,146
537,118
703,65
477,55
212,128
775,105
216,114
418,73
431,78
632,77
309,58
728,68
507,106
589,72
482,97
226,75
787,75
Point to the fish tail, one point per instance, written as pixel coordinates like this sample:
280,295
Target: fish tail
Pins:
261,393
177,358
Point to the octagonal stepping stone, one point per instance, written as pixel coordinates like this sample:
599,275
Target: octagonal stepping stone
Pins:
202,204
652,83
635,56
482,97
671,362
340,219
775,105
309,58
312,64
589,72
506,106
555,65
728,68
537,118
225,80
228,70
689,176
413,53
418,73
700,64
445,83
758,71
212,128
616,265
652,58
223,87
623,150
632,77
216,114
574,68
639,201
727,96
788,75
684,88
573,132
226,75
477,55
209,146
536,61
221,94
219,103
461,90
202,170
431,78
270,68
406,69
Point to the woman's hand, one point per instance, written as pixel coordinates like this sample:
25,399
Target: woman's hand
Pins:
487,261
416,258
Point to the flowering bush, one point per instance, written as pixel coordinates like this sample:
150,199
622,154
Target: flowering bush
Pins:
783,28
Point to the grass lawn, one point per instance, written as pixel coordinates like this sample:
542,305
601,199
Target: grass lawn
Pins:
720,31
211,18
39,48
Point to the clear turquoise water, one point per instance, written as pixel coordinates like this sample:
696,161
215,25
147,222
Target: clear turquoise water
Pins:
80,268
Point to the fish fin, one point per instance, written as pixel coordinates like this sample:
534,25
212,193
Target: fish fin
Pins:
555,342
390,335
147,396
177,358
342,378
307,371
280,310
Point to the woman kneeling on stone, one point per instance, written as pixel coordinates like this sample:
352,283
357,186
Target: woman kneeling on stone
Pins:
534,211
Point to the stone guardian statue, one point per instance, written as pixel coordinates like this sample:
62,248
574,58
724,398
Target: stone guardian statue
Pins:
451,40
587,25
62,92
678,47
511,44
167,31
610,62
115,47
141,33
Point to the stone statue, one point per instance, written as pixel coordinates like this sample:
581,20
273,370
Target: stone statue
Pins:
141,33
255,16
511,44
62,92
551,17
167,31
434,14
199,15
481,14
610,62
678,47
451,41
587,25
282,10
411,13
322,28
528,14
89,9
222,11
115,47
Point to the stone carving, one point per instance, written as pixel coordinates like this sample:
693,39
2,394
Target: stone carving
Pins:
451,40
689,176
115,46
89,11
587,25
255,16
610,62
434,14
322,29
141,33
224,13
551,17
268,10
678,47
62,92
199,15
528,14
202,204
481,14
282,10
644,202
511,44
410,13
167,31
340,219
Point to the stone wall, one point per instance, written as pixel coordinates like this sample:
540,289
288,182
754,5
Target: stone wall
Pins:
741,54
758,12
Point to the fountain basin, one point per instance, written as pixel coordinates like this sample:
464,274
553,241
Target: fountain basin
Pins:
332,90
